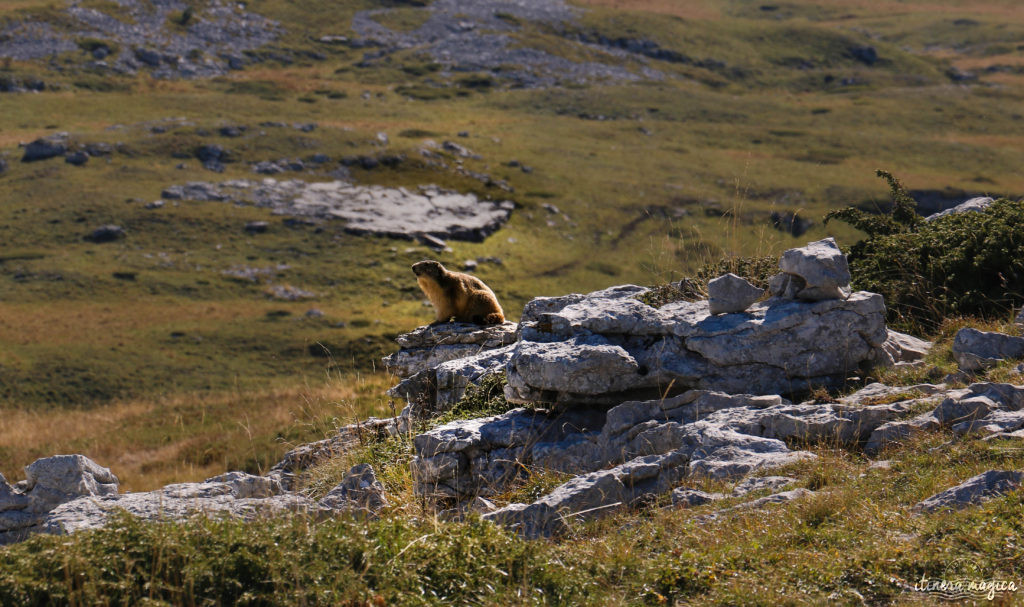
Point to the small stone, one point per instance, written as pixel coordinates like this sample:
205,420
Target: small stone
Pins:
256,227
729,294
469,265
107,233
822,266
1019,321
688,498
76,158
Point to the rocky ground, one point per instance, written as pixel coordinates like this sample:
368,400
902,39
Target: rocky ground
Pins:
589,416
143,36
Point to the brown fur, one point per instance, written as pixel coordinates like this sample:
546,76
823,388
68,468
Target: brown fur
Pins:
457,296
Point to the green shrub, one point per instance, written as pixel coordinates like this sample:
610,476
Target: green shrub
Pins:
961,264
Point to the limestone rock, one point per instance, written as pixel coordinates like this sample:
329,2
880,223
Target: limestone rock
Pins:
442,343
973,205
175,502
730,293
901,348
396,212
46,147
1019,321
823,268
604,347
438,363
974,490
592,495
762,483
347,437
54,480
686,497
359,491
975,350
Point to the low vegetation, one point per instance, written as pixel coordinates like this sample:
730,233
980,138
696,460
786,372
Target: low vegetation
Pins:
965,264
854,541
165,356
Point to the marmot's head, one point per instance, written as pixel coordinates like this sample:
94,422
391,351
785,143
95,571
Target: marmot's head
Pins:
429,268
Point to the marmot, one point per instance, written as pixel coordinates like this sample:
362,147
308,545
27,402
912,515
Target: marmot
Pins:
456,295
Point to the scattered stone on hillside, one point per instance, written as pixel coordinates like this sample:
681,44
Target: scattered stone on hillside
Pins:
47,147
3,166
729,294
213,157
256,227
469,265
975,350
254,274
791,223
210,45
688,498
973,491
823,268
1019,321
475,457
777,498
458,150
76,158
761,483
235,494
592,495
289,293
974,205
480,37
604,346
107,233
359,491
865,54
428,211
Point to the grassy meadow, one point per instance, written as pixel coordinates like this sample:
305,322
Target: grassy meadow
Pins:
651,180
151,356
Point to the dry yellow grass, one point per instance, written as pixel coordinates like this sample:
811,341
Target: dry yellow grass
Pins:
152,442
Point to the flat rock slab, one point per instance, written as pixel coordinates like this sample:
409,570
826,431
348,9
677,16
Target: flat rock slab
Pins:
973,491
396,212
975,350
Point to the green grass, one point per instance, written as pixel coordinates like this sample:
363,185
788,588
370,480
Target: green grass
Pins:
195,372
854,540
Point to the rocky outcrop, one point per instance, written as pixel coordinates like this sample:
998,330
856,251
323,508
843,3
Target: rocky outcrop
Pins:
975,350
992,409
607,346
396,212
68,493
428,346
973,491
438,363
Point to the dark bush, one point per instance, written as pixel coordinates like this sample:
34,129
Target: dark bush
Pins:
960,264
